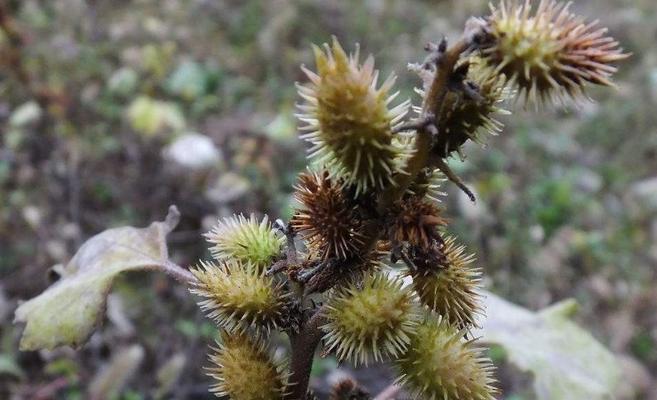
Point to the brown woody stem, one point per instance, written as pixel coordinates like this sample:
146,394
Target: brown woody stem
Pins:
304,343
431,107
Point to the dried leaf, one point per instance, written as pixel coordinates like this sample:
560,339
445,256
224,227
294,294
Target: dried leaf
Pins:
67,312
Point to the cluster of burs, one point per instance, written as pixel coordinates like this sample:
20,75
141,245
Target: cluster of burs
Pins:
367,257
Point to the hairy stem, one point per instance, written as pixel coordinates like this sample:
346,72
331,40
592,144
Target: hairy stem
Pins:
177,272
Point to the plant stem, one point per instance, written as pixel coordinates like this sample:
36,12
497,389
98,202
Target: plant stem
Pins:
435,96
431,108
303,346
177,272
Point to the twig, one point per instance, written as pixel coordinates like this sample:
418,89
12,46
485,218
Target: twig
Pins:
445,59
445,169
278,266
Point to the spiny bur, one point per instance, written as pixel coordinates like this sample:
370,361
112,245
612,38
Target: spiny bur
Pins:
416,221
244,370
328,220
348,389
239,297
349,120
548,53
440,364
450,287
472,114
371,320
428,185
245,240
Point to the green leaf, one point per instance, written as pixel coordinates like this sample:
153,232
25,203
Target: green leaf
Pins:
68,311
566,361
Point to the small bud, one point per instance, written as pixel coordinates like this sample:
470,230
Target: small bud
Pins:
450,288
329,222
245,240
416,222
550,53
439,364
244,370
239,297
370,320
349,121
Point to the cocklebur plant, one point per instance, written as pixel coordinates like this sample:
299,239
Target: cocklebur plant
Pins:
366,268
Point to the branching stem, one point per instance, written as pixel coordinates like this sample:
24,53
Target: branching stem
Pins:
305,342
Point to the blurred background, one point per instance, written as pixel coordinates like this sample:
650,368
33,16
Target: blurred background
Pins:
110,111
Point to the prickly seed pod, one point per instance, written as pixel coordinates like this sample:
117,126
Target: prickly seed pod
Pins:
439,364
452,288
239,296
328,221
245,240
549,53
349,123
471,114
371,320
243,370
416,221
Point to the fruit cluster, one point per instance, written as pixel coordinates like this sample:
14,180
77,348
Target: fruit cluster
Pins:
371,199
